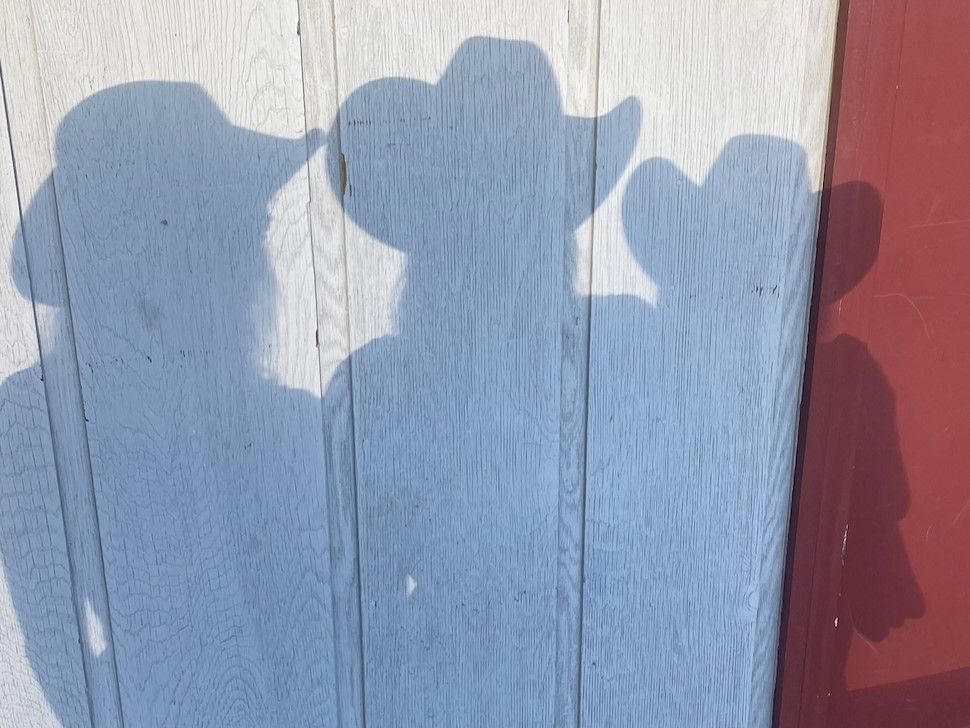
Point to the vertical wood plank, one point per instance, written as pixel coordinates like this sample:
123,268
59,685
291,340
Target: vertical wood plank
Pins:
183,212
816,27
321,98
455,156
581,97
41,675
41,237
693,401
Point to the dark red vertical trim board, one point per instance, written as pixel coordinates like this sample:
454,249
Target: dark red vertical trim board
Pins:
860,131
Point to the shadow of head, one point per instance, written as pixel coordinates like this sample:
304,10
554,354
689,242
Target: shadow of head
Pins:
732,223
852,211
165,203
476,154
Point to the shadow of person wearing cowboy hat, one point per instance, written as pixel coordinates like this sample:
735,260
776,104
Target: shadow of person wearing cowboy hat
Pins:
457,415
208,474
680,486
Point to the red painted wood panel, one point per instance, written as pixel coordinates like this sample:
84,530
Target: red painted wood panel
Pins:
878,606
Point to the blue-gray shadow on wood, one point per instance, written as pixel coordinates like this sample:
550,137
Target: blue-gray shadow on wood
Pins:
208,476
685,404
457,416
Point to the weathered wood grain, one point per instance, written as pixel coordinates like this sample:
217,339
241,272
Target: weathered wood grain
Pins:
41,236
183,212
321,99
693,403
330,429
41,674
582,71
455,156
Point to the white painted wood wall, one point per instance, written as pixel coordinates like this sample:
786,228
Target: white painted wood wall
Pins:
327,397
